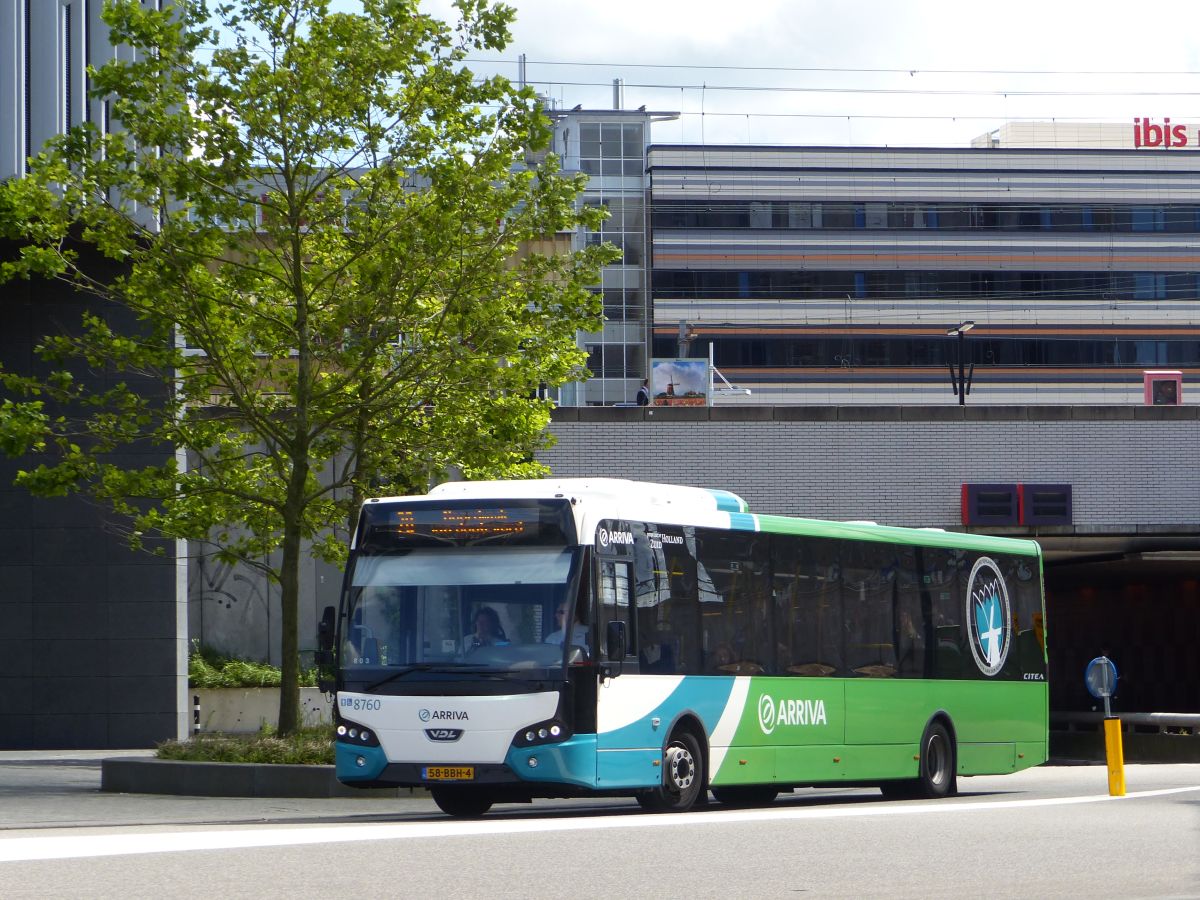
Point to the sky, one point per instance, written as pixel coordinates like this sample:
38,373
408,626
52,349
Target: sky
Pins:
797,71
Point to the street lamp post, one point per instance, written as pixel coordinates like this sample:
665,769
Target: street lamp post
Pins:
961,381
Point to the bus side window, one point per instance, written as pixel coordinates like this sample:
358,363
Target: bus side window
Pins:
808,605
735,593
944,571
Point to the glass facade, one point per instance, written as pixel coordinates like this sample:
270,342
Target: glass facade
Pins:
985,284
1054,217
611,151
828,351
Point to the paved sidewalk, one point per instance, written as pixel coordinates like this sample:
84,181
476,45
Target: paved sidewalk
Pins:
61,788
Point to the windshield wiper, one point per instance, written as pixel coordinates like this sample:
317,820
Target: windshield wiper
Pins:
447,669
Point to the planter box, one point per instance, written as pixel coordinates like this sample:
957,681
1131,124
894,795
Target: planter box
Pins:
247,710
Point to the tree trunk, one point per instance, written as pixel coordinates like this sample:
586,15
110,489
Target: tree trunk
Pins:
289,599
289,591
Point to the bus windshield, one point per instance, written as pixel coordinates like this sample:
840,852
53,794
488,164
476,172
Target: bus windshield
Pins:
460,609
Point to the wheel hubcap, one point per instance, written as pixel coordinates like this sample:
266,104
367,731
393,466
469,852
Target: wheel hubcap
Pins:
936,754
681,767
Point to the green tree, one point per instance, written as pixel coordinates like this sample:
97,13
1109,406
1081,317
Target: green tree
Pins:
340,246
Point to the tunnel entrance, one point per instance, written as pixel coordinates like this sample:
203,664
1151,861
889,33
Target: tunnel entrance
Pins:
1140,609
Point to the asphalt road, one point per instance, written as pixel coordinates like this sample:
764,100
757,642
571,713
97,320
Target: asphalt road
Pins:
1048,832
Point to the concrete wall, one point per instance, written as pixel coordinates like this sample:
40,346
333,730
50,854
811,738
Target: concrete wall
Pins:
250,710
235,610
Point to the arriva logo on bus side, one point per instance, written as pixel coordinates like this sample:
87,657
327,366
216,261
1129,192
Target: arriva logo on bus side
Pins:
789,711
615,537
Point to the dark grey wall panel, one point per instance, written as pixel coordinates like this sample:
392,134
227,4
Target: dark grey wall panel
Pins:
17,621
140,730
16,656
67,583
65,658
86,619
83,619
136,696
16,584
16,731
142,658
139,583
73,732
16,546
60,695
16,697
130,621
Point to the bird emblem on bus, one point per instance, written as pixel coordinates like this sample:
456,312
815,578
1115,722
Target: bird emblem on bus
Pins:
991,634
988,614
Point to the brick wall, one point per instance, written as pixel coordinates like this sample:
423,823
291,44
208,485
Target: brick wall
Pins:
1132,469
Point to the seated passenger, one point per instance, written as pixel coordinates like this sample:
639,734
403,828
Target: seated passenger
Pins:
487,631
579,631
722,659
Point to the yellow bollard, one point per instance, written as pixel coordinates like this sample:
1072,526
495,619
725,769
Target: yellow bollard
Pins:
1116,757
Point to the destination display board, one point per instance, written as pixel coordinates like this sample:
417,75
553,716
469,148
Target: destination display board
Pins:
421,523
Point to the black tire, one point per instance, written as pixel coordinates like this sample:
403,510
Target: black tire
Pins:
682,778
462,803
746,795
937,774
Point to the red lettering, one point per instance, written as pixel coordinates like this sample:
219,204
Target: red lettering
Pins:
1166,135
1152,134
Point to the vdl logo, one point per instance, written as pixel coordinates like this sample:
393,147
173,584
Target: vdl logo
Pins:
989,616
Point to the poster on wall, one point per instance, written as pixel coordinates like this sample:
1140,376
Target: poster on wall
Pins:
679,382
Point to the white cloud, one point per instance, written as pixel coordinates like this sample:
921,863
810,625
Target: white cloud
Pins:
917,36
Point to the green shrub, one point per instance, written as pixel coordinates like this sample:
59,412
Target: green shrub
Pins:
308,746
209,669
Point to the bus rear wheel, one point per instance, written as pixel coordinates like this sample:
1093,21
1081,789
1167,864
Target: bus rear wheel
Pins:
683,776
461,803
936,775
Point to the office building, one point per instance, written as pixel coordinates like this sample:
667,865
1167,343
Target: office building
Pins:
841,275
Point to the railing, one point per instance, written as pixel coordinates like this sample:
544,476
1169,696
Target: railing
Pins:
1141,723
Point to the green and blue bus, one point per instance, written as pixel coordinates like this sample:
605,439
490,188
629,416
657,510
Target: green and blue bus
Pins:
510,640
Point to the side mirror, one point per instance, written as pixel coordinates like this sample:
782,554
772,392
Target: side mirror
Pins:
324,655
615,646
325,630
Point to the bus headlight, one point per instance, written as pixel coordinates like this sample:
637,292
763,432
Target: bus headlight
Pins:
353,734
542,733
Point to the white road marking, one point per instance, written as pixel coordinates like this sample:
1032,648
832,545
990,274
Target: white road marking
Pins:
23,849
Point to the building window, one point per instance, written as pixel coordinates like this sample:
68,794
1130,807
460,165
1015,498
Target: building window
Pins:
611,149
67,75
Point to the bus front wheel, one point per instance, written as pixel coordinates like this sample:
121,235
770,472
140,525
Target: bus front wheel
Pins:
683,776
463,804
